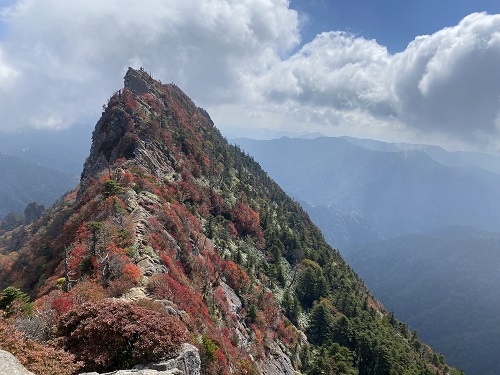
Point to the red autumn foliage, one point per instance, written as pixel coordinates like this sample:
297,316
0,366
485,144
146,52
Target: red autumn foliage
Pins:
247,222
235,276
131,272
174,268
191,301
62,304
40,359
113,335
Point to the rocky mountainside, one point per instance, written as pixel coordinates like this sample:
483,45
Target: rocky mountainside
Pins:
176,237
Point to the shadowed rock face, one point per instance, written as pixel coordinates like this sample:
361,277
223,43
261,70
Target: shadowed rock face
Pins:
10,365
135,82
107,136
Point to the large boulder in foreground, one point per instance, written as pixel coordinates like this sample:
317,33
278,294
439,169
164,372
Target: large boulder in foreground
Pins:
11,365
186,363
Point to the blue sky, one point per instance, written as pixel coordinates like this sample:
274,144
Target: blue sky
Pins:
393,23
356,68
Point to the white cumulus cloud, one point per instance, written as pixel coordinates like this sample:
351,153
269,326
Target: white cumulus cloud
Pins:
8,74
444,85
454,84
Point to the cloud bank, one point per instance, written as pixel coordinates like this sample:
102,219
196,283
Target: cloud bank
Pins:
244,61
443,85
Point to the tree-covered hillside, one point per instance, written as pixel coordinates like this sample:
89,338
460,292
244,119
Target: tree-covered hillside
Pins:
445,284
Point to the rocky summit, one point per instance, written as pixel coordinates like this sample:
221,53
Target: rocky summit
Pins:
176,239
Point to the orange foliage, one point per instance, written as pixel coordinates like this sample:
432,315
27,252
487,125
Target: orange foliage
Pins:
87,291
131,272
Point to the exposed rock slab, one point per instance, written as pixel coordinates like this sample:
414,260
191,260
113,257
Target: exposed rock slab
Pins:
235,306
234,301
134,294
10,365
186,363
149,265
277,363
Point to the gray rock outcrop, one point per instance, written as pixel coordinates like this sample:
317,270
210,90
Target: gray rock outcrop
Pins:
149,265
277,362
186,363
33,212
234,301
135,82
10,365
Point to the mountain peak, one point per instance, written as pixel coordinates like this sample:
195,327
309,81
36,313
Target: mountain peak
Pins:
143,124
137,81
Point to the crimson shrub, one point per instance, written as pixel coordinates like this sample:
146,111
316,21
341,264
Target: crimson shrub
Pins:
111,335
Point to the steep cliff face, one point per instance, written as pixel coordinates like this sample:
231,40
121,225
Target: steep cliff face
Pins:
135,122
177,225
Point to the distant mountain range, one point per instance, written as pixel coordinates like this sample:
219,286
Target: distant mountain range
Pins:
360,191
445,284
452,159
23,182
418,223
64,150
